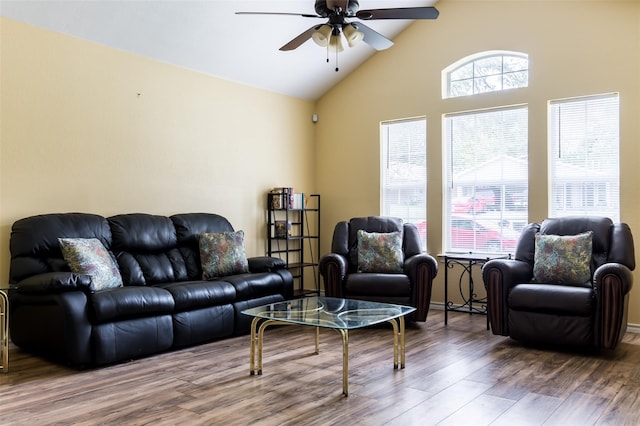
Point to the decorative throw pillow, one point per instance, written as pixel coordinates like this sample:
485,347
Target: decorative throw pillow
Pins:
222,254
89,257
563,259
380,252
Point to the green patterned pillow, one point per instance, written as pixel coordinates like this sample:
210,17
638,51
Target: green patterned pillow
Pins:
563,259
380,252
88,256
222,254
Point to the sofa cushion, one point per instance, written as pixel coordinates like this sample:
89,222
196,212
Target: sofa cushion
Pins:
222,254
380,251
88,256
552,299
252,286
146,247
369,284
128,302
562,259
199,294
34,242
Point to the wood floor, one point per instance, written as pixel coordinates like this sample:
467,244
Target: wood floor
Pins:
455,375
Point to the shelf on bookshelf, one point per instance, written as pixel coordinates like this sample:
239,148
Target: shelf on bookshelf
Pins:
293,234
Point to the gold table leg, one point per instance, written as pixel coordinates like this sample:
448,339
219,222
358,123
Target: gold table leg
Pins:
345,361
257,343
254,343
402,345
4,331
257,340
398,342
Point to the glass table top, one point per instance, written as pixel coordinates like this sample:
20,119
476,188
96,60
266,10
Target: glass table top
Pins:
8,286
330,312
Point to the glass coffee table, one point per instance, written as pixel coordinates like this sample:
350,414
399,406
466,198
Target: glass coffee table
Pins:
4,326
341,315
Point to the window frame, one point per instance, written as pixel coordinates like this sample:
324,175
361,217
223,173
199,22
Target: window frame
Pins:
472,60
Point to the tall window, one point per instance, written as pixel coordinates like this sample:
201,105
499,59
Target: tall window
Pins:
404,171
486,72
584,156
486,176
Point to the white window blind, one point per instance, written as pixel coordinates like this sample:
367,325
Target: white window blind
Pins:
584,156
486,177
404,171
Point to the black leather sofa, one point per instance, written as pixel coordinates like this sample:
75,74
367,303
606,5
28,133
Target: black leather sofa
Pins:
163,304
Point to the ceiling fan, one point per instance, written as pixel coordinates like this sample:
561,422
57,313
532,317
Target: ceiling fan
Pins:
339,14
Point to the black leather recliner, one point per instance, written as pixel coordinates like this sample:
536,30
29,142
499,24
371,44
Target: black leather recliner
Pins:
412,287
593,314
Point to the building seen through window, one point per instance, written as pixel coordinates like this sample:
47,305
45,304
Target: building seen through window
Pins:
404,172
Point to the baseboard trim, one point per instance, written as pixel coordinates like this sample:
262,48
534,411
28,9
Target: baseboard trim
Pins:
437,306
631,328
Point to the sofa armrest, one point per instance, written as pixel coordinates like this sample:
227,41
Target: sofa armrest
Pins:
422,269
55,282
612,283
265,264
333,269
499,276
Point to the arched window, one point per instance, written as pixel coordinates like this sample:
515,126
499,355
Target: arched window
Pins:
483,72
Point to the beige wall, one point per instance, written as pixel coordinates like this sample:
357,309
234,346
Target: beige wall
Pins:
93,129
575,48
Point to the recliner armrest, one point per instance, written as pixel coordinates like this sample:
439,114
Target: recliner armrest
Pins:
421,269
620,272
411,263
333,268
612,283
499,276
512,271
55,282
265,264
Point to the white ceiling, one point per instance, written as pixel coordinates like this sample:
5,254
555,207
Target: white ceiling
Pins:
207,36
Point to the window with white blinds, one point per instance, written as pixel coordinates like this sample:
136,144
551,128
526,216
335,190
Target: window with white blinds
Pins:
584,156
404,171
486,179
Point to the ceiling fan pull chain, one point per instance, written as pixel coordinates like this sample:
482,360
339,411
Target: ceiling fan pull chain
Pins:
337,69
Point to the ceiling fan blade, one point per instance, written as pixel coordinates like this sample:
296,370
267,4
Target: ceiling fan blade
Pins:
373,38
296,42
304,15
399,13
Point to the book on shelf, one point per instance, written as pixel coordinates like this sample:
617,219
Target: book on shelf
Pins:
279,198
286,198
282,229
297,200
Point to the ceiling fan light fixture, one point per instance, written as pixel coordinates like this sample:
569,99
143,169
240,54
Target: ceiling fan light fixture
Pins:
335,43
321,35
352,34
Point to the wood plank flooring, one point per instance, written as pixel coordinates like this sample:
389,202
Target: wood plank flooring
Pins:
455,375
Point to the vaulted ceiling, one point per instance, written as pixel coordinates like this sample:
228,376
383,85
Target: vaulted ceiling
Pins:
209,37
